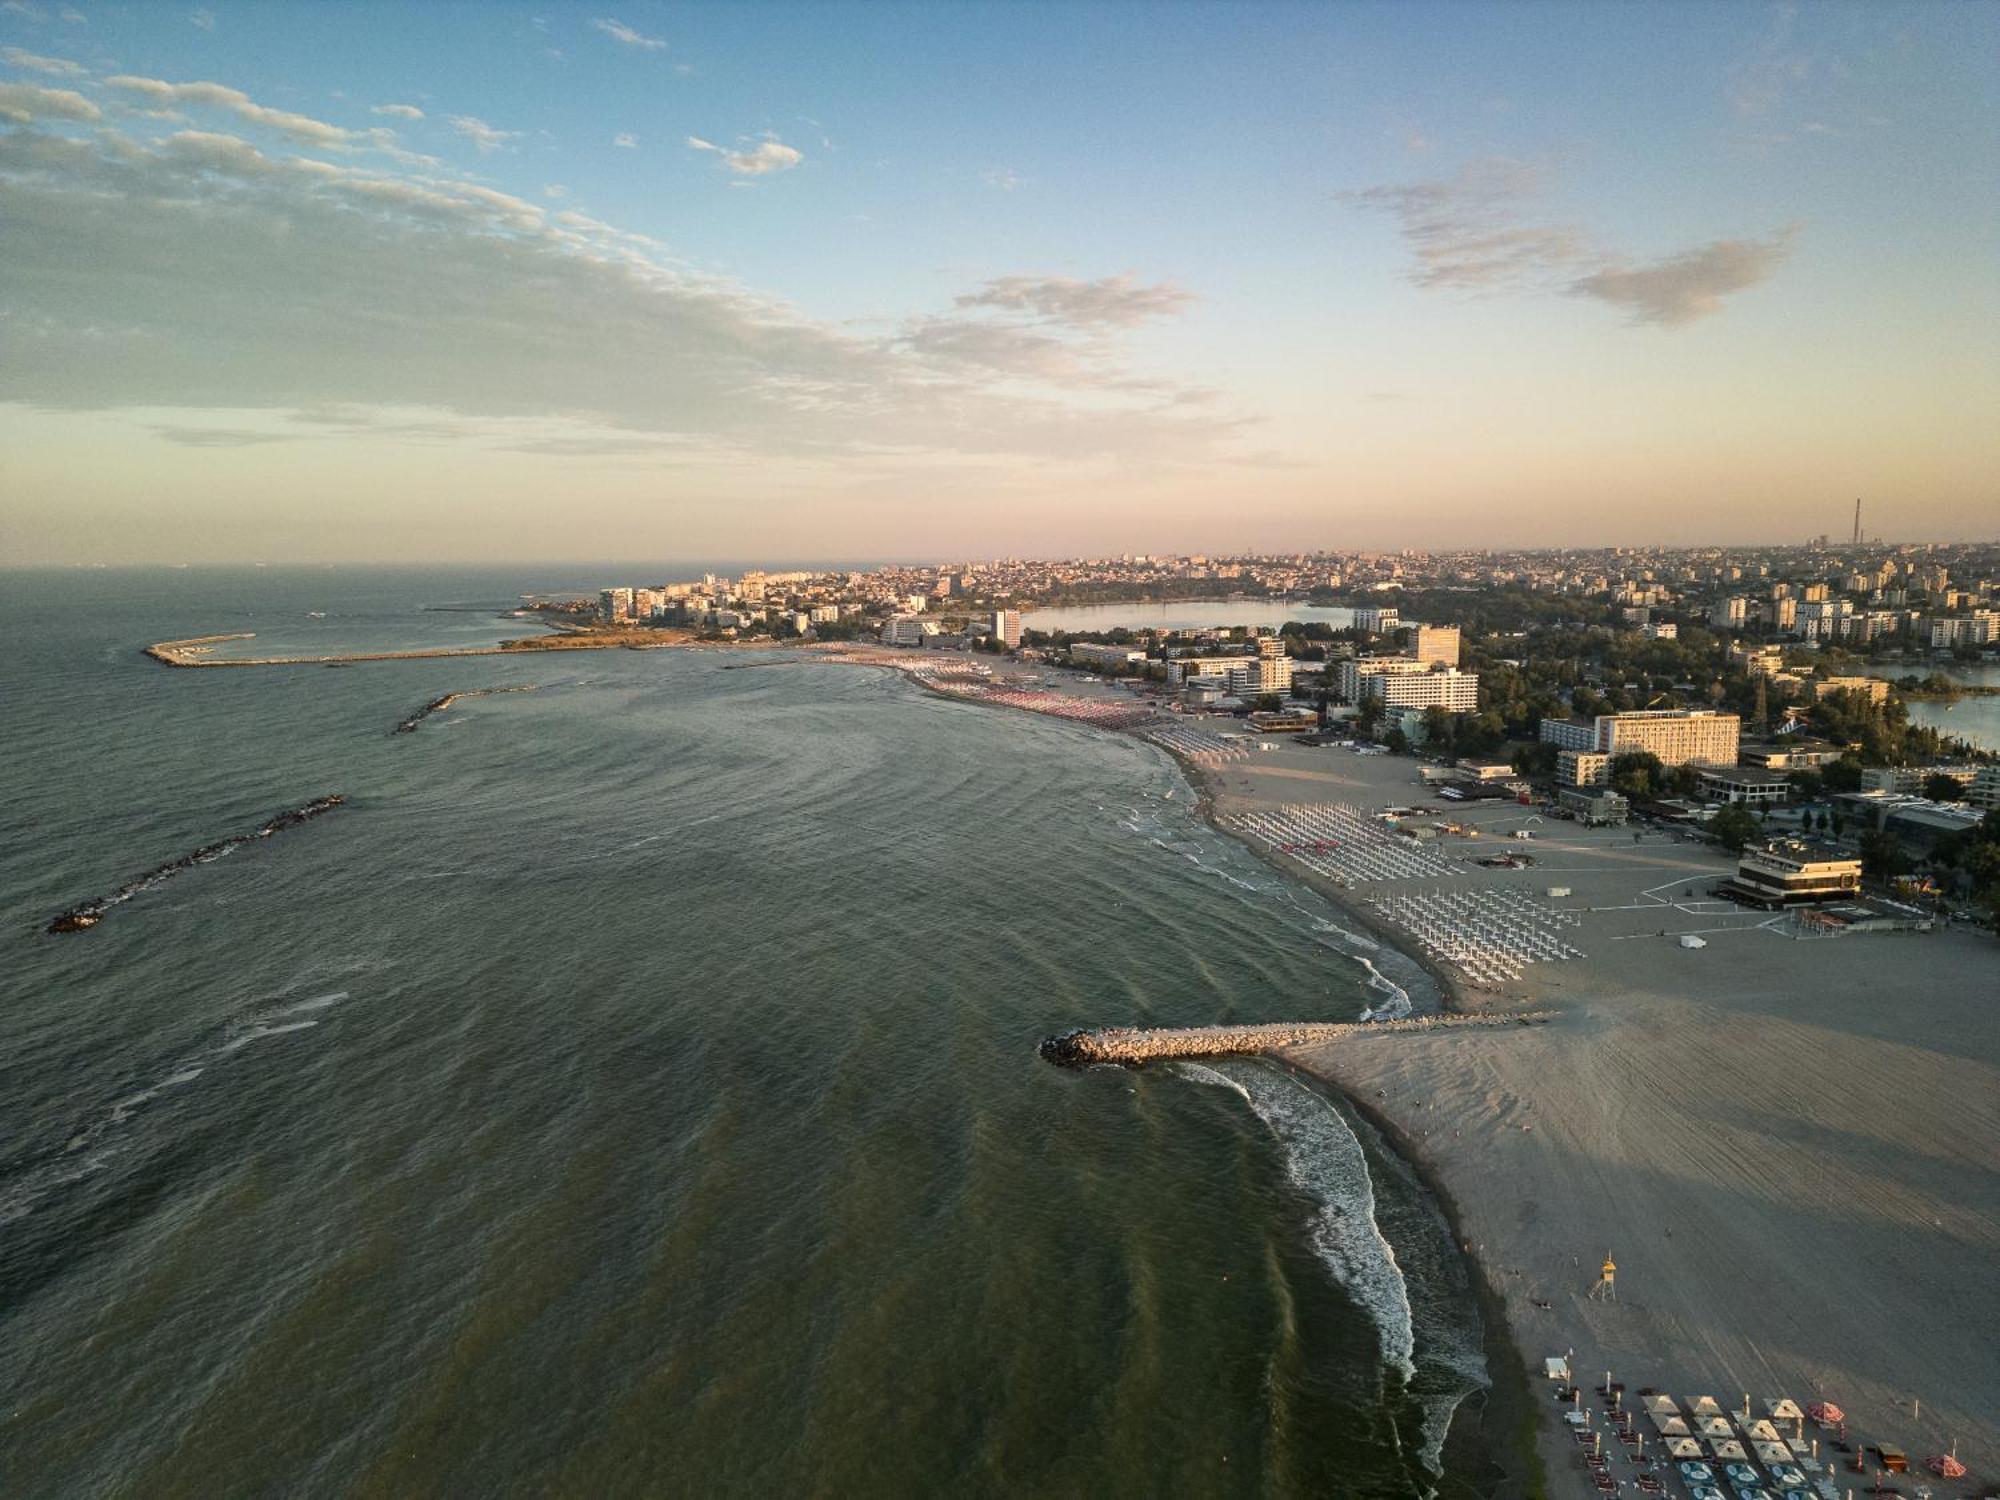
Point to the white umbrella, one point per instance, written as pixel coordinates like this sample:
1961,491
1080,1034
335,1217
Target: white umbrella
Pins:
1716,1427
1783,1409
1707,1406
1662,1404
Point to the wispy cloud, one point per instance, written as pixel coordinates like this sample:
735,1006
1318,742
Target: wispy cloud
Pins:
56,67
766,156
1006,179
486,137
398,111
1110,301
1683,288
619,32
1478,231
203,19
303,129
21,103
1466,230
625,141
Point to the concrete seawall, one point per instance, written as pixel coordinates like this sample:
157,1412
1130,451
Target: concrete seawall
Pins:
1125,1044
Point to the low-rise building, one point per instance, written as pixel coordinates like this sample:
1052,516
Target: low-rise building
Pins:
1597,806
1794,872
1582,768
1874,689
1744,784
1984,793
1105,658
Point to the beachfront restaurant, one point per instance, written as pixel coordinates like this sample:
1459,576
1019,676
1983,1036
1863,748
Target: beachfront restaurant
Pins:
1793,872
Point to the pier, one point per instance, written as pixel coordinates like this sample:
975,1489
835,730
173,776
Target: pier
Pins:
1127,1045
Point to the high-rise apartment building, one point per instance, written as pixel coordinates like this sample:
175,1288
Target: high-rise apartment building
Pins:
1676,735
1007,627
1377,621
1436,643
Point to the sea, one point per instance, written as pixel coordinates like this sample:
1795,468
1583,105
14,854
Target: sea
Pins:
631,1089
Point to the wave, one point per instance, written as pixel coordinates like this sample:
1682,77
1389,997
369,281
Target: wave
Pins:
1324,1160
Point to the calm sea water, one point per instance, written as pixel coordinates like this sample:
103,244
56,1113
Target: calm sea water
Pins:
1199,614
633,1091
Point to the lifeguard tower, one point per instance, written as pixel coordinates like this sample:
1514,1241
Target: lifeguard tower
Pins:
1606,1289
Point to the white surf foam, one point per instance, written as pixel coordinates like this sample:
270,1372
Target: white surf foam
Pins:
258,1033
1324,1161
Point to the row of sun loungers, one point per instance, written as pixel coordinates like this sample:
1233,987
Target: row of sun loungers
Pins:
1199,745
1489,934
1345,845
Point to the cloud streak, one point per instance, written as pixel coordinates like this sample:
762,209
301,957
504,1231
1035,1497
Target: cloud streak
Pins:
1682,288
486,138
301,129
766,156
1477,232
21,103
55,67
624,35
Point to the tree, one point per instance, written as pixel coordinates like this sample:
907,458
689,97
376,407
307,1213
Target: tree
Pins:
1637,773
1942,788
1882,854
1734,826
1843,775
1397,741
1269,703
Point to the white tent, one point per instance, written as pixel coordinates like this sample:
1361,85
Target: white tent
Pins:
1773,1454
1762,1432
1659,1404
1556,1367
1783,1409
1716,1427
1685,1447
1707,1406
1669,1426
1689,940
1729,1449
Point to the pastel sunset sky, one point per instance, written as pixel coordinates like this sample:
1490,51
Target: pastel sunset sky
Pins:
496,282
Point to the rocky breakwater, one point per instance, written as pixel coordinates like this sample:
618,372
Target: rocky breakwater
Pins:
439,705
1130,1046
87,914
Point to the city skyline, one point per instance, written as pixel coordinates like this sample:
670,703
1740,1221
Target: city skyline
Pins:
314,285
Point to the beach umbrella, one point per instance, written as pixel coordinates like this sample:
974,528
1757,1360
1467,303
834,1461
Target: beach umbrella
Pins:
1717,1427
1826,1413
1945,1466
1662,1404
1707,1406
1761,1431
1782,1409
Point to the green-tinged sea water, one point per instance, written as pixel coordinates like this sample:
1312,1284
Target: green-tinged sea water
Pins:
632,1090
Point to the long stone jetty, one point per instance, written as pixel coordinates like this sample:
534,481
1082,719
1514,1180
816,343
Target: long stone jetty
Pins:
1129,1045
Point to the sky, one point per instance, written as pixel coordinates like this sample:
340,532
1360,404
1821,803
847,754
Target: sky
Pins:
331,283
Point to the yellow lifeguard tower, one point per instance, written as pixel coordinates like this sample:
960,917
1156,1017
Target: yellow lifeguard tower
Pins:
1606,1289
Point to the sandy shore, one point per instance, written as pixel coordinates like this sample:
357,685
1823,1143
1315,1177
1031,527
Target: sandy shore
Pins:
1791,1148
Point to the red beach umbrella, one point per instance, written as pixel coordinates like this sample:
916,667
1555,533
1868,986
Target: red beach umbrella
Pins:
1825,1413
1945,1466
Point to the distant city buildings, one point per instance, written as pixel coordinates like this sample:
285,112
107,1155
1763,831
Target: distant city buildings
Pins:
1007,627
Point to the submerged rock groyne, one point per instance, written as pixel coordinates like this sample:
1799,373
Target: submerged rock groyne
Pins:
1127,1045
439,705
87,914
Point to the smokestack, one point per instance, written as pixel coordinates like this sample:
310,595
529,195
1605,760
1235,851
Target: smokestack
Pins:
1857,520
